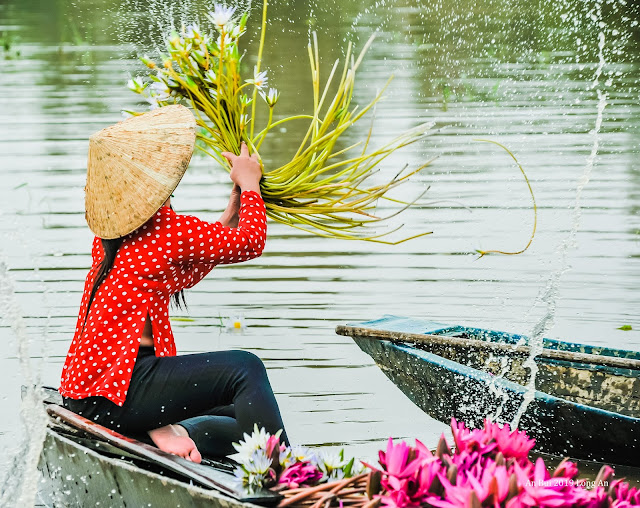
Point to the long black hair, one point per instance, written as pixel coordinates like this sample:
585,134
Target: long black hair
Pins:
110,248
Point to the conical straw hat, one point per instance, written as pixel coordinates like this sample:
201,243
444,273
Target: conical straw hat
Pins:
134,166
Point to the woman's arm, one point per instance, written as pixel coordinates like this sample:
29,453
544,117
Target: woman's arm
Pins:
246,174
230,216
192,240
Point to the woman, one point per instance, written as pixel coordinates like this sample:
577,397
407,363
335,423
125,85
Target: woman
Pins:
122,370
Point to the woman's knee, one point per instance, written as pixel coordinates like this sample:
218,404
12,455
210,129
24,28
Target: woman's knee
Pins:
249,363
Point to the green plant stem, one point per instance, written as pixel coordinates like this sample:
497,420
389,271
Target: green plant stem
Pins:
266,129
533,199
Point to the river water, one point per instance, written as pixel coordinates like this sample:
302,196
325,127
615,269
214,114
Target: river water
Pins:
518,72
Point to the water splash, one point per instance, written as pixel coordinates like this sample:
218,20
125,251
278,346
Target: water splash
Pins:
19,487
549,295
144,23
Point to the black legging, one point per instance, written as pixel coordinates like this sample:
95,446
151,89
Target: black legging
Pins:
215,396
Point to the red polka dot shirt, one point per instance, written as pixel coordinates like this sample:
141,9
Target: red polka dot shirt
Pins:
170,252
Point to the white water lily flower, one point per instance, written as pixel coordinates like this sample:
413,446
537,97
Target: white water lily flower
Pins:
255,480
237,31
136,84
233,322
155,100
155,96
285,458
331,465
259,78
335,475
303,454
271,97
158,92
245,448
244,118
249,479
221,15
358,468
239,473
192,31
211,76
159,88
332,460
258,463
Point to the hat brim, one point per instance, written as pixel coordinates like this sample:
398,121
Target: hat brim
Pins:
134,166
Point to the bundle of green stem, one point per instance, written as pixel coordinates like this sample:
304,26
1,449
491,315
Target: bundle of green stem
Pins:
322,189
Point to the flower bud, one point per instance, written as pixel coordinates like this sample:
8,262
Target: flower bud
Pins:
148,62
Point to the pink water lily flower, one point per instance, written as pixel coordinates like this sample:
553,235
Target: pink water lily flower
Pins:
540,490
470,440
566,469
494,481
490,488
512,444
301,474
622,493
598,498
464,495
465,460
431,467
272,443
399,461
408,473
423,451
398,499
492,438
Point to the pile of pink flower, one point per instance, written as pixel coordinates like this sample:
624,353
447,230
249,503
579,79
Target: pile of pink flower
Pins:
490,467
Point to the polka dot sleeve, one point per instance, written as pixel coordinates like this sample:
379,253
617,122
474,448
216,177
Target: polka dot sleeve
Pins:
198,241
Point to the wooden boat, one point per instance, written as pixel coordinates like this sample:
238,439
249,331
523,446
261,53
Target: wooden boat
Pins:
586,401
85,464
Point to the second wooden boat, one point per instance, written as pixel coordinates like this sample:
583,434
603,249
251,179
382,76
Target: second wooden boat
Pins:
585,403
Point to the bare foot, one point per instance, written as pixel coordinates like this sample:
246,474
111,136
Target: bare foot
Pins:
175,439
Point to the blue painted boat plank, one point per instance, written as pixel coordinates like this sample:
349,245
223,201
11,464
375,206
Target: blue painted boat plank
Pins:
424,326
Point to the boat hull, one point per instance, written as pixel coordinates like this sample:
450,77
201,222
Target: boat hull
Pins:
77,476
446,389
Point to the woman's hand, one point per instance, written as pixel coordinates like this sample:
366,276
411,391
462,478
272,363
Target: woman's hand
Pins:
245,169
